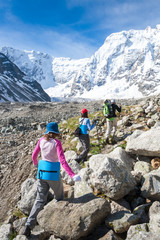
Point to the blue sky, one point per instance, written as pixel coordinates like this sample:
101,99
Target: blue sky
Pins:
71,28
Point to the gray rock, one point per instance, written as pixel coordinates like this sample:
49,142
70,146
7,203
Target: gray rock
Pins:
155,117
5,231
73,219
28,195
79,146
102,233
150,123
146,144
151,185
82,188
137,126
119,153
126,121
20,237
17,224
120,205
53,238
121,221
142,167
75,167
111,176
157,125
70,155
134,135
140,231
154,223
142,212
144,235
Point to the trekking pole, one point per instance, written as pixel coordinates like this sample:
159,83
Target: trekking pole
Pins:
122,127
94,121
99,130
98,137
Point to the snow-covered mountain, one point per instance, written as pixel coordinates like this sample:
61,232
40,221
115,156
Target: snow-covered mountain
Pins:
15,86
127,65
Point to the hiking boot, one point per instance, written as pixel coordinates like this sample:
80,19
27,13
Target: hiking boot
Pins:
113,141
107,141
26,231
77,160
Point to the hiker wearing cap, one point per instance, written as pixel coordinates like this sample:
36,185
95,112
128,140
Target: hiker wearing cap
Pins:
109,111
85,125
48,174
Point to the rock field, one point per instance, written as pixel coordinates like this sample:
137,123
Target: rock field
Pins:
22,124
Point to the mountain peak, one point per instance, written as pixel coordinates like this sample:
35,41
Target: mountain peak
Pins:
15,86
125,66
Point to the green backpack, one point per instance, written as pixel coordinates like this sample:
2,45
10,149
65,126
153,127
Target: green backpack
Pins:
108,110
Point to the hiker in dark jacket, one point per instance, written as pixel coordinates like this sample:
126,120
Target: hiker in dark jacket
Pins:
109,112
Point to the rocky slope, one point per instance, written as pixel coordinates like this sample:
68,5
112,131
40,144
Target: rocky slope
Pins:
119,173
16,86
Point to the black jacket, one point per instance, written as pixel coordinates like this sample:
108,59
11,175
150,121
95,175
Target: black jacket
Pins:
115,107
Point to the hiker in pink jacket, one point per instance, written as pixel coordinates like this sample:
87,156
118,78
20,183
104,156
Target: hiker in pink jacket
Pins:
48,175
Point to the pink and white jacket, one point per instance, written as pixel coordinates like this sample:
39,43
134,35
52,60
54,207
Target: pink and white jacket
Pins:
51,151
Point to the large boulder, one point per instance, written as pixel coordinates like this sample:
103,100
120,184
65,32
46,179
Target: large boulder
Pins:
151,185
73,219
146,144
111,176
134,135
28,195
119,153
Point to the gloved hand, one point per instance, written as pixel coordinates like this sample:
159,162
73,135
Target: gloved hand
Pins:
76,178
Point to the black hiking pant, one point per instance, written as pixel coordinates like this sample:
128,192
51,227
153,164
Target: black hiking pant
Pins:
85,141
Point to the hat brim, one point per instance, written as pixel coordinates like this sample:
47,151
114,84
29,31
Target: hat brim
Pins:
52,132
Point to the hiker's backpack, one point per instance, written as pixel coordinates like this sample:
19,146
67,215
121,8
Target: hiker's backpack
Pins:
108,110
77,132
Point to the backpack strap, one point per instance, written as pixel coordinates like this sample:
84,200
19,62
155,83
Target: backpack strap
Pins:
81,121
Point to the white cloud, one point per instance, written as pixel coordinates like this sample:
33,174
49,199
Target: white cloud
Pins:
115,15
67,45
58,43
71,45
101,16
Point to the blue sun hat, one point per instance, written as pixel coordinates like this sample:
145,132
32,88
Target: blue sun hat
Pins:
52,127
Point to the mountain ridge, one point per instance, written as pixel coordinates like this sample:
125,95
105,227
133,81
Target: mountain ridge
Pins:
125,66
16,86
